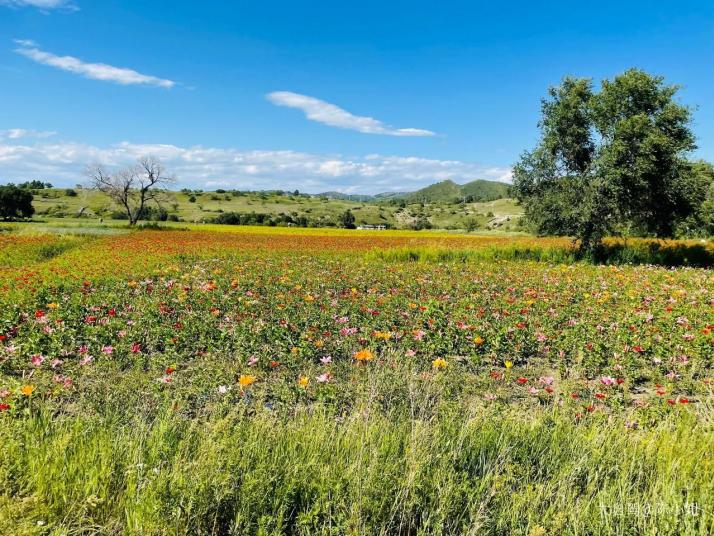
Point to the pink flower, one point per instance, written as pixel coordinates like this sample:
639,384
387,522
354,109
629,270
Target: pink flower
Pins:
252,361
108,350
343,320
533,390
324,378
165,379
326,360
608,380
83,350
546,380
37,360
4,393
410,353
135,348
55,363
419,334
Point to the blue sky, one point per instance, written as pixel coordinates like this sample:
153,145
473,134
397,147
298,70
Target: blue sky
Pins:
354,96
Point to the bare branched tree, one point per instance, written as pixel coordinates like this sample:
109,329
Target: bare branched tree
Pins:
133,187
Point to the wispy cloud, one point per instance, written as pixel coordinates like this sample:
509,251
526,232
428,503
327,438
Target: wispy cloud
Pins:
334,116
41,4
197,166
95,71
17,133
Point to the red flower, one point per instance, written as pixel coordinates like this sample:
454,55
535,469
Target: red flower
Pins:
39,313
274,364
549,390
637,349
90,319
599,396
135,348
574,396
170,370
496,375
522,380
590,408
684,400
671,402
4,407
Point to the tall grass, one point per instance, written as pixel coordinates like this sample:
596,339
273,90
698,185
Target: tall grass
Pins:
477,473
613,251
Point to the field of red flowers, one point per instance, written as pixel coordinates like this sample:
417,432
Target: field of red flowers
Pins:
193,332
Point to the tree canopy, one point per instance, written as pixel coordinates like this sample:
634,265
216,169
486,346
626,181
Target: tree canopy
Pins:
613,161
15,202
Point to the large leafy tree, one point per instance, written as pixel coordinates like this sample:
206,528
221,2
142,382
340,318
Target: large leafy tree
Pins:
612,161
15,202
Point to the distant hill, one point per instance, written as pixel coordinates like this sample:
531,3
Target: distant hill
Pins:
449,191
478,191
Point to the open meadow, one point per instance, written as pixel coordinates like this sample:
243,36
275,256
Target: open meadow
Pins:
237,380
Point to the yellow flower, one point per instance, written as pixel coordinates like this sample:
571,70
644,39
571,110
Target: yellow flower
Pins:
386,335
319,344
478,340
509,364
52,305
309,298
27,390
246,380
364,355
303,381
439,363
132,284
294,350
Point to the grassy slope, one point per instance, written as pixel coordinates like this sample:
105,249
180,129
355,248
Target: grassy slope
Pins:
442,215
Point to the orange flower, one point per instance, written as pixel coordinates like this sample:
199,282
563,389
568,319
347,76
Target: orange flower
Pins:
478,340
27,390
246,380
364,355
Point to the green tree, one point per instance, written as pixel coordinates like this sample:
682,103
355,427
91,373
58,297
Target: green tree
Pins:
347,219
610,162
15,202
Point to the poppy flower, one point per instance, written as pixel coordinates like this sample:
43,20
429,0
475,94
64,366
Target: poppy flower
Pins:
522,380
439,363
4,407
246,380
364,355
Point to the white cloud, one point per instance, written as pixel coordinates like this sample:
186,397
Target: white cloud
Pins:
17,133
197,166
41,4
334,116
95,71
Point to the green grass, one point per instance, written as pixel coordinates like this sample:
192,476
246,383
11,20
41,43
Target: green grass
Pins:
53,203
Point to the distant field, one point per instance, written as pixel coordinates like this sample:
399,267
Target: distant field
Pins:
502,214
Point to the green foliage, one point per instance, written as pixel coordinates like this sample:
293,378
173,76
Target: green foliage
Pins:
15,203
610,162
347,220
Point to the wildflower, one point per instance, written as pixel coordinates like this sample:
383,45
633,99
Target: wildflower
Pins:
439,363
303,381
533,390
508,364
170,370
684,400
86,360
607,380
410,353
546,380
4,407
326,360
522,380
135,348
5,393
418,334
27,390
324,378
364,355
37,360
246,380
222,389
490,397
600,396
109,350
165,379
252,361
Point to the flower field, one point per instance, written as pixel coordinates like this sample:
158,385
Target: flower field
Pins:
311,382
